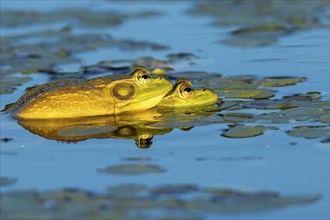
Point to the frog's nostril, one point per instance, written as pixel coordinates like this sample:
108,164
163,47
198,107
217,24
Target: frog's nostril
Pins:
204,90
160,78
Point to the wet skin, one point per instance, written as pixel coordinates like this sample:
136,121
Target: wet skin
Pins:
183,95
109,95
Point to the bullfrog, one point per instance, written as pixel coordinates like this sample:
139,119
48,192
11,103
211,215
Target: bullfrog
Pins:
108,95
183,95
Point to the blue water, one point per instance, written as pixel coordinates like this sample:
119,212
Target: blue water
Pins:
302,169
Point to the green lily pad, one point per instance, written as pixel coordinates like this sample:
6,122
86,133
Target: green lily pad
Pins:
310,132
249,93
132,169
238,117
174,189
262,29
8,84
308,111
254,29
281,81
134,201
325,119
243,132
189,75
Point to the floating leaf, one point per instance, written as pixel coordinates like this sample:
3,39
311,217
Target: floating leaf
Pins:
9,84
189,75
243,132
254,29
133,201
325,119
174,189
308,111
238,117
130,169
262,29
310,132
280,81
249,93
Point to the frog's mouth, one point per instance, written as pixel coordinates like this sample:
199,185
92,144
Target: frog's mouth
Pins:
141,105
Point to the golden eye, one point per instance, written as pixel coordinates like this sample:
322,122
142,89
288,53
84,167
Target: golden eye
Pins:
186,91
143,77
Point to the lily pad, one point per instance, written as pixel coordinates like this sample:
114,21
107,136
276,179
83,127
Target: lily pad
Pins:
238,117
132,169
310,132
249,93
243,131
174,189
189,75
9,83
281,81
254,29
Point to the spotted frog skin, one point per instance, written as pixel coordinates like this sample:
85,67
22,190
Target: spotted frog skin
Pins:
183,95
107,95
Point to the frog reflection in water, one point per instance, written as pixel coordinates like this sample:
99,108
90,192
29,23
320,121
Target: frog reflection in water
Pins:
107,95
138,126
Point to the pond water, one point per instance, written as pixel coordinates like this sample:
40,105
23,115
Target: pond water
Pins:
199,173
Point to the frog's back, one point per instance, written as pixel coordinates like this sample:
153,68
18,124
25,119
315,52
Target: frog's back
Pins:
64,98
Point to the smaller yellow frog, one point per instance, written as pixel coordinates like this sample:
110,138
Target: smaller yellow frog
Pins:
109,95
183,95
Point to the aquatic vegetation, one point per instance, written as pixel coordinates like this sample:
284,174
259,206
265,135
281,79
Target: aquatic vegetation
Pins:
252,29
134,201
244,131
9,83
310,132
77,16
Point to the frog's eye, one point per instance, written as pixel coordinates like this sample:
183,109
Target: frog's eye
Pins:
186,90
142,74
143,77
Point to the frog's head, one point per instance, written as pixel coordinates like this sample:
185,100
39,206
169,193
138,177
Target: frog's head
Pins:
183,95
140,92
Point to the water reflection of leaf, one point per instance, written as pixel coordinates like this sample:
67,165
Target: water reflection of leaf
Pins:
7,181
132,169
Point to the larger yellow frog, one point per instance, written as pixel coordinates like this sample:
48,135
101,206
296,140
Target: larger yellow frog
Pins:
107,95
